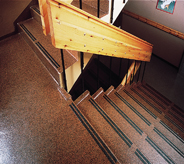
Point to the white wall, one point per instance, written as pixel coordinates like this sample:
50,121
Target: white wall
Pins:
166,46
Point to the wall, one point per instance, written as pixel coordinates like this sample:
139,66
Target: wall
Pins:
166,46
9,12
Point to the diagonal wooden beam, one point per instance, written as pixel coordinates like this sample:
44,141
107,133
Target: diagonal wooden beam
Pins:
74,29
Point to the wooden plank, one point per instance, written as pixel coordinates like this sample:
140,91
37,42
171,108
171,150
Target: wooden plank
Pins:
44,16
131,71
75,29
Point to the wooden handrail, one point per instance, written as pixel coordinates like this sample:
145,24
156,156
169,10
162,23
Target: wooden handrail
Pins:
155,24
75,29
131,72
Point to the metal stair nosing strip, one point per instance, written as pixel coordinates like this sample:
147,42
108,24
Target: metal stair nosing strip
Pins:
175,124
111,123
160,151
119,132
93,133
133,109
169,142
176,117
123,115
169,119
155,129
148,102
170,130
142,157
139,103
148,95
36,9
45,52
47,55
178,112
28,32
152,91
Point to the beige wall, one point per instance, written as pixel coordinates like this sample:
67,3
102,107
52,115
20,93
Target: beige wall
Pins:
9,12
166,46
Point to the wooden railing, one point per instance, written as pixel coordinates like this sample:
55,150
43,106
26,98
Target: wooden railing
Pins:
155,24
74,29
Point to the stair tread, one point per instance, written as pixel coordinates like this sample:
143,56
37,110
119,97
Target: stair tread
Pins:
104,129
175,125
127,126
166,110
36,30
170,150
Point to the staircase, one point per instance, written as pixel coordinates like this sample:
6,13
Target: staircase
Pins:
40,123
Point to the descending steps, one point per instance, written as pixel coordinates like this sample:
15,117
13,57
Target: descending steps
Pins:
133,125
31,30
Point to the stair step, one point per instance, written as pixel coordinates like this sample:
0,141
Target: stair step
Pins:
117,141
31,30
173,109
160,137
35,13
158,106
94,134
36,122
135,134
154,111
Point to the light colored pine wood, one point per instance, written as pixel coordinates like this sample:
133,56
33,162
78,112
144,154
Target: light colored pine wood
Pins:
131,72
44,16
74,29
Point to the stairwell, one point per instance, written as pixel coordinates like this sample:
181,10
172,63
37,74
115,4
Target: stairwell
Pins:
40,123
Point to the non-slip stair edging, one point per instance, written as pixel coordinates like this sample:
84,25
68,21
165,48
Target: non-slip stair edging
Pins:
94,134
51,65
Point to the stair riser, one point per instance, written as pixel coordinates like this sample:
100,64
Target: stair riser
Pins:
46,62
35,14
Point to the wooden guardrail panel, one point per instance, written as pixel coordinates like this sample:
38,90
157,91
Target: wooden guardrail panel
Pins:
155,24
74,29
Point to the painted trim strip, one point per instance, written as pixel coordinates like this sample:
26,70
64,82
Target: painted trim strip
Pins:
160,151
169,142
95,136
123,115
148,102
142,157
47,55
173,132
28,32
111,123
133,109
